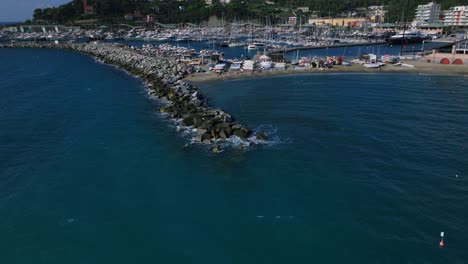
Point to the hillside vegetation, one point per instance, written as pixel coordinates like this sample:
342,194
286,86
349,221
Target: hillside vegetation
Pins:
196,11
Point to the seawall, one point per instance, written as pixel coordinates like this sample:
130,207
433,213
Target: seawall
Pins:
164,78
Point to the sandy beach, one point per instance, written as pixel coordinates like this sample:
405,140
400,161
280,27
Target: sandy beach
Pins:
420,67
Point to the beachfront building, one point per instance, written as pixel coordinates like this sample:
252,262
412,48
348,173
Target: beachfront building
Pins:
128,17
376,14
87,9
386,27
456,16
224,2
433,28
452,53
338,21
304,9
427,14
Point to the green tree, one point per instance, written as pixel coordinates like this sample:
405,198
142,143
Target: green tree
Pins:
37,15
168,11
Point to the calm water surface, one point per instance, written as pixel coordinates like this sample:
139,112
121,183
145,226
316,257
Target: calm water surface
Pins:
360,169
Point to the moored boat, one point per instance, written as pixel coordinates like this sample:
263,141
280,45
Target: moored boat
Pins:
256,46
219,67
407,37
265,62
236,66
248,66
280,65
373,65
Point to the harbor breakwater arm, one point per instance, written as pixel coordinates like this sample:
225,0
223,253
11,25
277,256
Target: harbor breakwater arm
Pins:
164,79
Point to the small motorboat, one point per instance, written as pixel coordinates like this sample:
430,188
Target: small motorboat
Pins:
372,65
345,63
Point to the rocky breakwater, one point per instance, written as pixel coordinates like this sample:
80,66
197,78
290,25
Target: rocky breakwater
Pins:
182,101
191,108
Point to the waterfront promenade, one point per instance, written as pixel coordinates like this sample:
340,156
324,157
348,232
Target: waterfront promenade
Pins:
420,67
179,71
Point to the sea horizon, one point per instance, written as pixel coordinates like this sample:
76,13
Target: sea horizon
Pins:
9,23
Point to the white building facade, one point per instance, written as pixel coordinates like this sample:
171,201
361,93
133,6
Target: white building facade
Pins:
456,16
426,14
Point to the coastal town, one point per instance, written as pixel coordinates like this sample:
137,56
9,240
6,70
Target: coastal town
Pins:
233,131
303,30
256,50
191,53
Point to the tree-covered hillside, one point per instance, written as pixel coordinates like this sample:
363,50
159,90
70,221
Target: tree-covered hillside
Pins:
196,11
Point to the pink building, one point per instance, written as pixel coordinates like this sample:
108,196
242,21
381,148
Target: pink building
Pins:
87,9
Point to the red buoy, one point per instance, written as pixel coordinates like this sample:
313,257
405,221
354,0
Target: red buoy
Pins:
441,244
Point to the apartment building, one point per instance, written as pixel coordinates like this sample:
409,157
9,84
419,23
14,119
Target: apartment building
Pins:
456,16
426,14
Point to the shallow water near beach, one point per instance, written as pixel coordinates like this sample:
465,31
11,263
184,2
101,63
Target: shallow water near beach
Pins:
359,169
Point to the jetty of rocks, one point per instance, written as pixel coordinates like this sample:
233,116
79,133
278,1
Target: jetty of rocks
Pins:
164,78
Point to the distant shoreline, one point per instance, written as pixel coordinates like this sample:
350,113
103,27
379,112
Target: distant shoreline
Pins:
8,23
420,67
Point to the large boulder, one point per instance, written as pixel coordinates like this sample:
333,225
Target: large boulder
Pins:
216,149
205,136
206,125
201,131
261,136
223,135
166,109
241,133
198,121
188,121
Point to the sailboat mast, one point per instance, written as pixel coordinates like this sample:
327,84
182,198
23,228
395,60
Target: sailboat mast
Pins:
405,13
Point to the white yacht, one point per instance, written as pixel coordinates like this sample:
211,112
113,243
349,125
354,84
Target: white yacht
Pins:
256,46
265,62
407,37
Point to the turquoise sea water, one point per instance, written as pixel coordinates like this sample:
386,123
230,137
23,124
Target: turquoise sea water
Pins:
361,169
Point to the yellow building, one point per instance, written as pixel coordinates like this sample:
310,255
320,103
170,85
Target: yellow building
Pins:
337,21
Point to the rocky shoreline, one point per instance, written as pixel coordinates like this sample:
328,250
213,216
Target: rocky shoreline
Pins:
164,78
